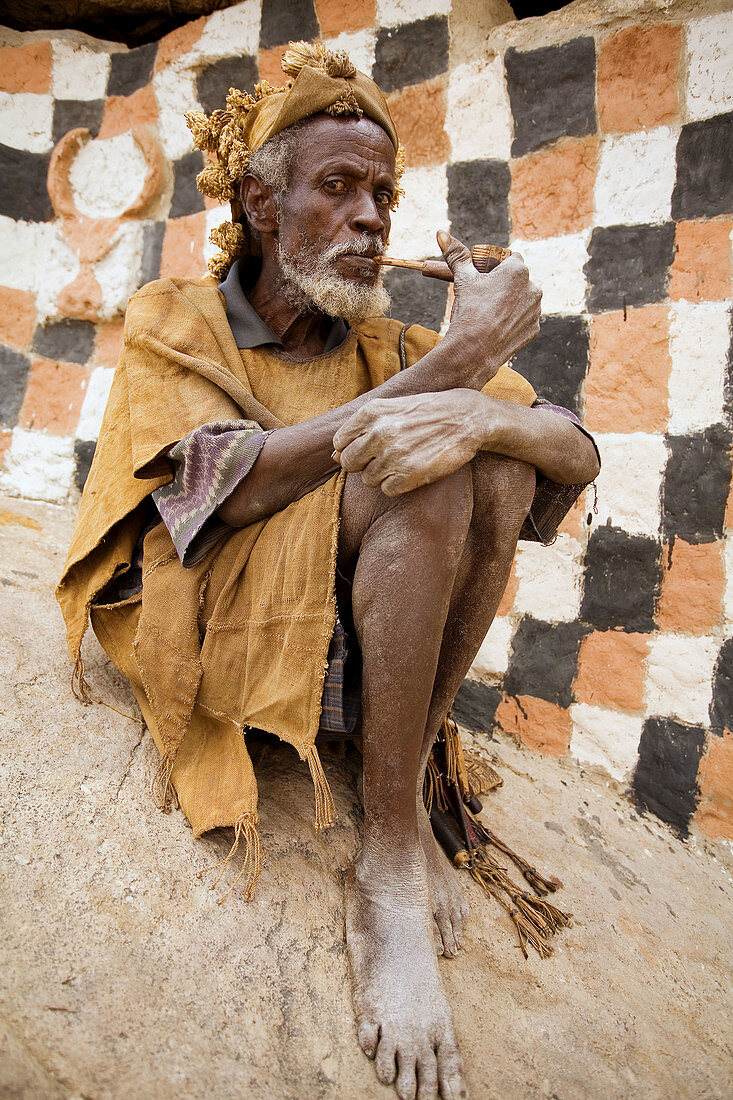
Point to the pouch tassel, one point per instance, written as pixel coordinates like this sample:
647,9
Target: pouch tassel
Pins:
541,884
162,789
245,828
79,684
325,809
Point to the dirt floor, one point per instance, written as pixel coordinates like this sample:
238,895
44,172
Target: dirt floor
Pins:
122,977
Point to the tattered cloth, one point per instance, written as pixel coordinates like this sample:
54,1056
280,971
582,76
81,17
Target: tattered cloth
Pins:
240,640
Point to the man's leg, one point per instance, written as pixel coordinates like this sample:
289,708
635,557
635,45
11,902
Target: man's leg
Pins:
502,495
407,550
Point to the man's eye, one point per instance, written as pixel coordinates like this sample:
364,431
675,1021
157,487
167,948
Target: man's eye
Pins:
338,187
383,198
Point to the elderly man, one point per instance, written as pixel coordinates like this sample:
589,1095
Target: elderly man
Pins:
341,499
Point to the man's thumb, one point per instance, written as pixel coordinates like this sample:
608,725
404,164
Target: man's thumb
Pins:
455,254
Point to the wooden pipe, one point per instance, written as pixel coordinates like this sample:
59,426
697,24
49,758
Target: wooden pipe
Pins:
485,258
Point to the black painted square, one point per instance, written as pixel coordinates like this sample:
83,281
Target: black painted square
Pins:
696,484
478,201
622,575
23,192
628,265
475,705
721,708
70,114
153,235
69,340
665,779
416,300
83,455
213,84
552,93
556,362
187,199
287,22
544,660
410,53
704,184
131,69
14,367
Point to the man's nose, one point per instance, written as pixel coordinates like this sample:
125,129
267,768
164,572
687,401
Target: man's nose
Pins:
365,215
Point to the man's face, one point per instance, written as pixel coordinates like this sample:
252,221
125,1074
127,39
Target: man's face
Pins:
335,217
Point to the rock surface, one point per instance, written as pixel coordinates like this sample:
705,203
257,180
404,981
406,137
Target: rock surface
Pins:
122,977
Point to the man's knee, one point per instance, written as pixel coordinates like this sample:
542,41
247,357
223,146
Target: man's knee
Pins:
503,490
438,513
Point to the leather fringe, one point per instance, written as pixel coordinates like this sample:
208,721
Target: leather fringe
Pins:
245,829
162,789
325,809
79,684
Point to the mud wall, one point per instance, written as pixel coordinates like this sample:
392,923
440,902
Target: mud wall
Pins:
596,141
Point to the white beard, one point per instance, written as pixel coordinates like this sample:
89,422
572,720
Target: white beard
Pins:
310,283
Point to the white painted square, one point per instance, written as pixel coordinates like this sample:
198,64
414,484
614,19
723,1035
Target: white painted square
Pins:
392,12
118,271
549,580
214,217
94,404
479,119
39,467
175,93
636,175
699,339
492,659
26,121
556,266
230,32
78,72
629,484
709,63
679,677
421,213
359,45
728,594
606,738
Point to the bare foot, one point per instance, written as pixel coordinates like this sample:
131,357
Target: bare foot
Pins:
403,1019
449,905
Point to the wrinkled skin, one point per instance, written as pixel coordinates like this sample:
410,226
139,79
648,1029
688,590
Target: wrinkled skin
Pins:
439,480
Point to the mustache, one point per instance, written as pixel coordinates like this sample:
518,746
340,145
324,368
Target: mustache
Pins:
366,244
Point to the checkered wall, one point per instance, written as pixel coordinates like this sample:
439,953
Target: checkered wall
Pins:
600,149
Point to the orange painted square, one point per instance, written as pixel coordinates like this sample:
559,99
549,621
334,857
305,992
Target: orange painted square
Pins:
639,77
123,112
6,438
691,594
419,117
552,190
183,247
17,317
53,396
714,814
337,16
270,65
701,269
728,518
26,68
611,669
108,343
538,724
178,42
627,387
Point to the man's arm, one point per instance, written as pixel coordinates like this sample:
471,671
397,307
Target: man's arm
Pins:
494,316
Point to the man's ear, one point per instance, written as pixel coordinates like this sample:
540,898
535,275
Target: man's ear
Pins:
258,203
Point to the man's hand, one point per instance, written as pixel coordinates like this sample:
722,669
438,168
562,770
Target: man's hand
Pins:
401,443
494,314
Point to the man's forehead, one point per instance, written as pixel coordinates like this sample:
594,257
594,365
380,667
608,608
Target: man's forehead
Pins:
327,138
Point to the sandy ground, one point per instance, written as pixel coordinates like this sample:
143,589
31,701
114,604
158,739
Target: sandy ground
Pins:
122,977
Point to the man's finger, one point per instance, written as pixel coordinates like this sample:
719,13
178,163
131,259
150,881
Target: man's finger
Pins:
357,454
455,254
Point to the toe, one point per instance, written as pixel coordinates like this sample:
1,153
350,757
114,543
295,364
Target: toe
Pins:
450,1072
406,1083
368,1037
384,1063
445,927
427,1076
